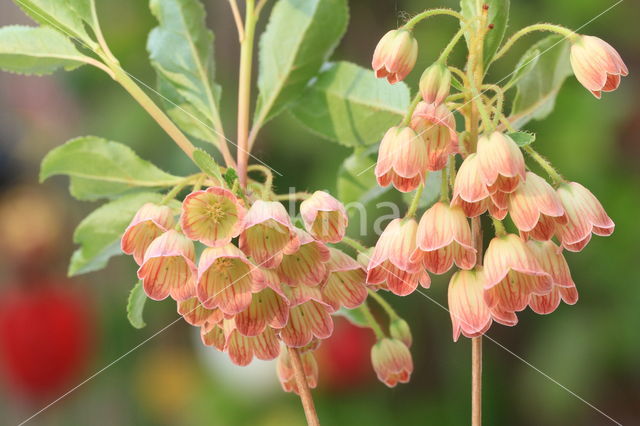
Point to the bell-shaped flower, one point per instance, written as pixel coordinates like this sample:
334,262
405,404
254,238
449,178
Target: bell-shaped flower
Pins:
435,83
308,317
470,193
444,237
286,373
195,314
212,334
551,259
307,266
500,163
226,279
402,159
597,65
391,260
241,349
391,361
535,208
149,223
213,216
168,268
512,273
345,285
584,215
268,234
269,307
395,55
470,315
324,217
435,125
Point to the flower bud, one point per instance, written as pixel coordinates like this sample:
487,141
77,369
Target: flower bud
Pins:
264,346
597,65
400,330
391,361
435,83
402,159
345,284
324,217
395,55
148,224
286,374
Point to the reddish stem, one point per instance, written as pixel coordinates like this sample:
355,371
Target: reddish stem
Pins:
303,389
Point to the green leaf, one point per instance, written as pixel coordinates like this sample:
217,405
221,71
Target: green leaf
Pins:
356,179
538,88
299,38
181,51
230,176
431,192
207,164
349,105
355,317
99,233
498,17
135,306
523,138
99,168
36,50
524,66
65,16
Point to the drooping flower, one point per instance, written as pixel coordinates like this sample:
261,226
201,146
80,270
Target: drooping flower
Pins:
242,349
550,258
212,334
308,317
500,163
268,234
402,159
444,237
391,259
470,314
597,65
535,208
345,284
213,216
148,224
286,373
471,194
269,307
306,266
391,361
226,279
324,217
435,83
512,274
435,124
584,215
195,314
395,55
168,268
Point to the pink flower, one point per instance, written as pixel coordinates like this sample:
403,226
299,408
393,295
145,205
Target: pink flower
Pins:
435,84
226,279
435,124
471,194
584,215
195,314
550,258
391,361
213,216
324,217
535,208
309,317
242,349
286,374
597,65
402,159
345,284
470,315
500,162
391,259
268,234
395,55
512,274
444,237
168,268
306,266
149,223
269,308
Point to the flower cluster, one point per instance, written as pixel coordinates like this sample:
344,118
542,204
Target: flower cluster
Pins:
259,282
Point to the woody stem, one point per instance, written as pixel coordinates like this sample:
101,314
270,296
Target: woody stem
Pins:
303,389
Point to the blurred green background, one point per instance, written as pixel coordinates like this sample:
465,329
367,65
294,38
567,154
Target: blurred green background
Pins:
592,348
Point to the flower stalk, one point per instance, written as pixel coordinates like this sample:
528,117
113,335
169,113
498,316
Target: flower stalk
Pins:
303,388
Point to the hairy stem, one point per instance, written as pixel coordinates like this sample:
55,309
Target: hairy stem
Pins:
414,203
371,321
566,32
384,304
412,107
303,388
429,13
545,164
353,243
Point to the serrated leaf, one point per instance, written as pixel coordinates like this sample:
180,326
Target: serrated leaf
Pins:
135,306
523,138
181,51
36,50
100,169
349,105
431,192
207,164
355,317
299,38
356,180
230,176
538,88
498,17
99,233
65,16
